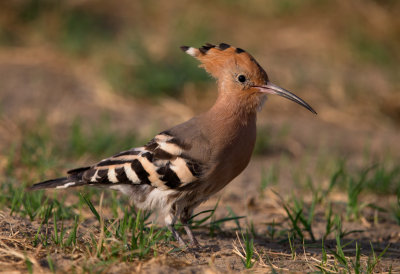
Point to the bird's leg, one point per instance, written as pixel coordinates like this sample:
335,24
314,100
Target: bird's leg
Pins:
185,217
170,222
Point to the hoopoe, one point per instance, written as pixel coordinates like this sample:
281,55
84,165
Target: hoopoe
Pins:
183,166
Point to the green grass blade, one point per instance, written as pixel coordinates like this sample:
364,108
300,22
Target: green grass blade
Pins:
91,207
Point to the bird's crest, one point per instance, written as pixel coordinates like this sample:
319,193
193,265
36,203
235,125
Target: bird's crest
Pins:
215,57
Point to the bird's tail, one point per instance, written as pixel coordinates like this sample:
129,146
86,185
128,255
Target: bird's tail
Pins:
74,179
63,182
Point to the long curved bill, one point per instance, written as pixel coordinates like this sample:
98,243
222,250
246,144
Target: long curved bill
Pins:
274,89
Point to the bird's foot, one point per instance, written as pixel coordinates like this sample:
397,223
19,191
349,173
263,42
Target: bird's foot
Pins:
194,244
193,241
177,236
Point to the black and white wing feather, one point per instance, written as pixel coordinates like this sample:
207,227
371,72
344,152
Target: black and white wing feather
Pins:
162,163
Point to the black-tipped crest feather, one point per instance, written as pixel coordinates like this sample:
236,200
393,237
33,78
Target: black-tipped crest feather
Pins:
223,46
184,48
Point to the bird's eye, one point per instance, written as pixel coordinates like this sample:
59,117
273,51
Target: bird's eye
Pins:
242,78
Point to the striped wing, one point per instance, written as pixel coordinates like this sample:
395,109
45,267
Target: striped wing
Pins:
161,163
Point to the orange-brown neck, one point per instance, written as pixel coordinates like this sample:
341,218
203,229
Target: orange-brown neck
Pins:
230,115
232,132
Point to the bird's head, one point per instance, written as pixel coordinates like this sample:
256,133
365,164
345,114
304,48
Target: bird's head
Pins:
238,73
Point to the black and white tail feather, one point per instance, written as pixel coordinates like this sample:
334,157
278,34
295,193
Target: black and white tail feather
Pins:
63,182
160,164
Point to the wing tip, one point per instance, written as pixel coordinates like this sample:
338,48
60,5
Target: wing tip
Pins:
78,170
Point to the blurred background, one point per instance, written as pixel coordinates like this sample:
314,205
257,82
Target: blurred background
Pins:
82,79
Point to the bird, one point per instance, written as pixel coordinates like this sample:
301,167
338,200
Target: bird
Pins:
183,166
